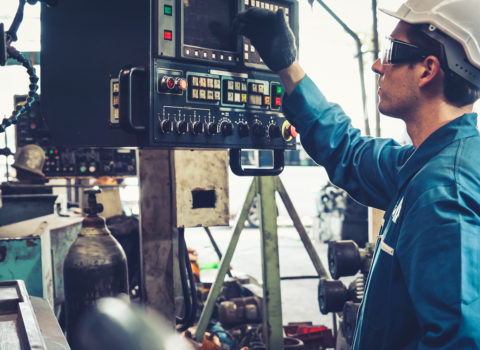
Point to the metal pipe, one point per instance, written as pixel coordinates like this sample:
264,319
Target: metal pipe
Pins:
360,61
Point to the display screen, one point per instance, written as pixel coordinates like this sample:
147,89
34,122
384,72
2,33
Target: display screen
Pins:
208,24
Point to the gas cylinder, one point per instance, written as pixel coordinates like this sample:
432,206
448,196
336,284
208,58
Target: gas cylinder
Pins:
95,267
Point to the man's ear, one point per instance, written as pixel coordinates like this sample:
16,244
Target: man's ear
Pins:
431,70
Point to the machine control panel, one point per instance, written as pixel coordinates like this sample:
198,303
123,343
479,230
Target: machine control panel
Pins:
68,161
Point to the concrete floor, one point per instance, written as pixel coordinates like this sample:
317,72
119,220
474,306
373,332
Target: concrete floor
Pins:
299,297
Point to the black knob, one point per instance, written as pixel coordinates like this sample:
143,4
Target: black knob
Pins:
166,126
226,128
167,83
274,131
181,127
243,130
258,130
196,128
211,128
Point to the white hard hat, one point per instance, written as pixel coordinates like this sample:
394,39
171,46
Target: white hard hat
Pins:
459,19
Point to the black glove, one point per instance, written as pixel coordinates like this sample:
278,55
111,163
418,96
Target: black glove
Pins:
270,34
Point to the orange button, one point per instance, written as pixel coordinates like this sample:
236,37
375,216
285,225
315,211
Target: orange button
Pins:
292,131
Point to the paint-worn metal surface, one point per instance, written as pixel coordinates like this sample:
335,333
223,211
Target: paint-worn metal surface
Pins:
36,256
25,255
200,193
19,327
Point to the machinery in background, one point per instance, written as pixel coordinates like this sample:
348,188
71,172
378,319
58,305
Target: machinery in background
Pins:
94,267
70,162
345,259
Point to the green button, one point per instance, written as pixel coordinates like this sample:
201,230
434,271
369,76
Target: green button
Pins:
167,9
51,151
279,90
83,169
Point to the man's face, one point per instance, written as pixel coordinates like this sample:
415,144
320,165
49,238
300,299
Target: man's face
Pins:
398,90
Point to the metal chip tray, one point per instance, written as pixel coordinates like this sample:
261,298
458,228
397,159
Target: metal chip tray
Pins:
19,328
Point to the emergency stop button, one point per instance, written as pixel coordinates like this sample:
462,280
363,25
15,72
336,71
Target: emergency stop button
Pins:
288,131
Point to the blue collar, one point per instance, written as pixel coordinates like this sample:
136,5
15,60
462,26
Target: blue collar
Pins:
459,128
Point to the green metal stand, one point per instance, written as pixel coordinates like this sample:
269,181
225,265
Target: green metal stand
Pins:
264,187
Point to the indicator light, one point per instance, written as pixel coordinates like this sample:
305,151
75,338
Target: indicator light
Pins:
167,10
167,35
181,84
278,101
51,151
279,90
56,151
170,83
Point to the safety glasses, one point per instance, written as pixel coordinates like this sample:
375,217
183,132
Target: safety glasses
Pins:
401,52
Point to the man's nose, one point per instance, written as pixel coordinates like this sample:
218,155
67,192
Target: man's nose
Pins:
377,66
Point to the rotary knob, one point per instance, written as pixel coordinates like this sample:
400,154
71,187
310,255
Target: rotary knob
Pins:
196,128
226,128
258,130
181,127
243,130
166,126
211,128
274,131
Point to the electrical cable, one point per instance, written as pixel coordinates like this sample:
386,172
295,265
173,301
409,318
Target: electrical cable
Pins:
183,279
193,288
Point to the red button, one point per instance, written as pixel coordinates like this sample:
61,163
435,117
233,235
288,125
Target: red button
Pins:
167,34
278,101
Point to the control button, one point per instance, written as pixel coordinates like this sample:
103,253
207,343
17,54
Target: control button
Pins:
226,128
216,83
258,130
245,47
116,88
196,128
237,86
244,98
230,58
83,168
181,84
167,35
288,131
91,168
278,101
187,52
222,57
195,94
181,127
252,48
166,126
210,95
167,83
253,87
205,55
266,100
216,96
202,82
210,83
237,97
211,128
230,85
194,81
244,86
167,10
279,90
230,97
243,130
214,56
274,131
202,94
260,88
196,53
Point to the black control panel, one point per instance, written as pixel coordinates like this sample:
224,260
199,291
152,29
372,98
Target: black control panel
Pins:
160,73
71,162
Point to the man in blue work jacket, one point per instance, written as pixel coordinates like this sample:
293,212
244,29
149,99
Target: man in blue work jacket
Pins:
424,285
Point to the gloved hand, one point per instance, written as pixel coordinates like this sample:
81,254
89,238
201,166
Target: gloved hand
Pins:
271,35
